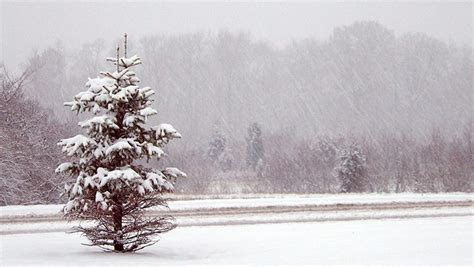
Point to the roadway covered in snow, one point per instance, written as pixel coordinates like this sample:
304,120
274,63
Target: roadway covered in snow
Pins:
262,209
210,202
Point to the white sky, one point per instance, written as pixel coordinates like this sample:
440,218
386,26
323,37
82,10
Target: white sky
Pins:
29,25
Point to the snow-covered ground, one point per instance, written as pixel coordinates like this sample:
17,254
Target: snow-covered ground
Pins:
283,229
427,241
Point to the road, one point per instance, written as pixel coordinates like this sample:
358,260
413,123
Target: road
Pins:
264,210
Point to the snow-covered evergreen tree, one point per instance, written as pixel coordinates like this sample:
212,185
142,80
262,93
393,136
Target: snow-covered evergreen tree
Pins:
110,186
217,145
351,170
218,151
254,146
226,160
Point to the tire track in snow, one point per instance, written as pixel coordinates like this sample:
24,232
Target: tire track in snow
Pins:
261,215
194,212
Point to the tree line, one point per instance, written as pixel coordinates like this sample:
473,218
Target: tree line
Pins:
266,163
362,80
402,101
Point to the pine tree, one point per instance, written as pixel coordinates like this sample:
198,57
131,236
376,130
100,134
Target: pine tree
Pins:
325,153
111,188
352,170
226,160
217,146
218,151
255,149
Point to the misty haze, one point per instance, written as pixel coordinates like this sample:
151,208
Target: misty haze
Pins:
246,125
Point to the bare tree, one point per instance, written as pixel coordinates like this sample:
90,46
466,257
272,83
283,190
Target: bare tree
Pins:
27,135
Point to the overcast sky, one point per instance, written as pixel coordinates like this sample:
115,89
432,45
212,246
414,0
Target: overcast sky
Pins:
30,25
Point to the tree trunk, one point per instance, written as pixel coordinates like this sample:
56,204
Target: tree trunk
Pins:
117,217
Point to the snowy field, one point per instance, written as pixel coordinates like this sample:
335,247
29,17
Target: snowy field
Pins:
427,241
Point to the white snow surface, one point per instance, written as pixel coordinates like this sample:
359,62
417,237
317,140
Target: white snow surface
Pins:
121,144
174,172
146,112
165,129
71,145
99,121
427,241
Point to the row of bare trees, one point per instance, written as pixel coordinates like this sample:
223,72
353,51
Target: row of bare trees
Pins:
28,152
362,80
401,163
